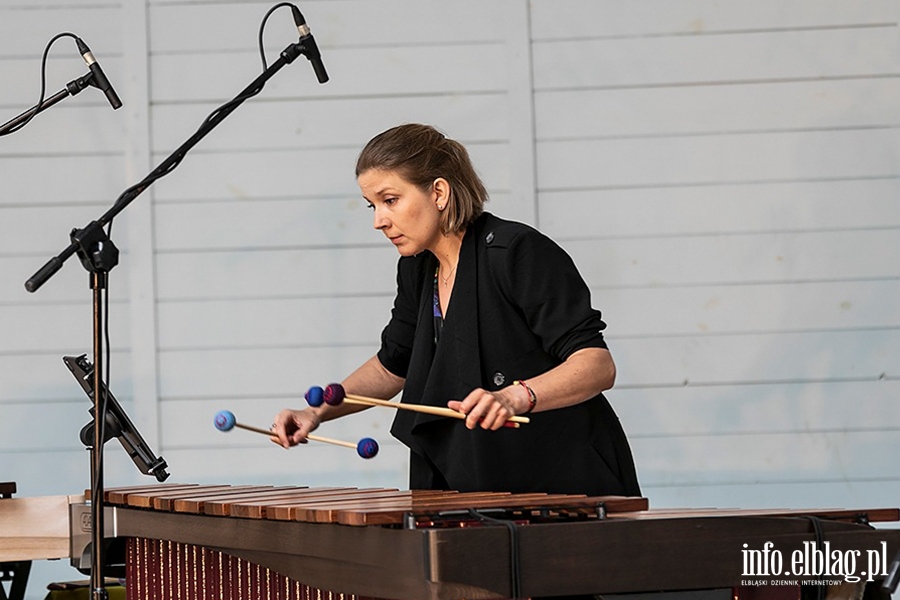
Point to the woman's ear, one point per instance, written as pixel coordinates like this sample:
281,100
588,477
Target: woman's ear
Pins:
441,188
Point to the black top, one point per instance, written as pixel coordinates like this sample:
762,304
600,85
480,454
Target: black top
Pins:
519,308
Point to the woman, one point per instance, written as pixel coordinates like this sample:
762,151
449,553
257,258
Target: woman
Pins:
491,319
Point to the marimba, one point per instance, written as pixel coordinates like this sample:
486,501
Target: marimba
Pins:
197,542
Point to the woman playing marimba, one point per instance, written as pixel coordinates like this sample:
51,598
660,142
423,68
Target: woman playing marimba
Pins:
491,319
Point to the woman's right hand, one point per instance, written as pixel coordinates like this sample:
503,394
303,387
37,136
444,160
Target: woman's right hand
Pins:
292,426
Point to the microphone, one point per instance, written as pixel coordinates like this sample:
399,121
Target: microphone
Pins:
309,43
99,79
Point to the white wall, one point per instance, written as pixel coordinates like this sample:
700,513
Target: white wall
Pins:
725,175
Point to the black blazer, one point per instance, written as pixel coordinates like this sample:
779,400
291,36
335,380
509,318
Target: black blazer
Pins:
519,308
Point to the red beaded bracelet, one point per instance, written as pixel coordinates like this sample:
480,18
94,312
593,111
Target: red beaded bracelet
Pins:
532,398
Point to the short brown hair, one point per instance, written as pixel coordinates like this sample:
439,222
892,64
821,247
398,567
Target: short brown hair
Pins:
420,154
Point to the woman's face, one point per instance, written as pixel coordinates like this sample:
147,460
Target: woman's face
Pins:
408,216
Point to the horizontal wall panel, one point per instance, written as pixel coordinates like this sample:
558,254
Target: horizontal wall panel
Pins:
83,125
60,472
60,416
17,6
692,110
792,494
326,320
97,25
719,309
507,204
44,230
698,411
43,376
52,473
724,175
275,320
174,26
732,410
258,323
721,209
37,328
313,465
388,71
301,273
739,259
332,122
829,456
267,223
342,224
306,173
552,19
70,284
742,158
228,374
743,57
247,175
61,180
663,361
757,358
64,65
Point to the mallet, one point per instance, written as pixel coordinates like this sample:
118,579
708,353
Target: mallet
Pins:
226,421
334,394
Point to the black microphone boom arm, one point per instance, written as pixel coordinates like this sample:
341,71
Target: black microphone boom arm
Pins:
288,55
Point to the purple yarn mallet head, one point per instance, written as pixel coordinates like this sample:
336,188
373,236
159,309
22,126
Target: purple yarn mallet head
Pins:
334,394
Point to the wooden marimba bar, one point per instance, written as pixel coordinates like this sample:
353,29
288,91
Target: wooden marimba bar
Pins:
227,542
357,507
161,567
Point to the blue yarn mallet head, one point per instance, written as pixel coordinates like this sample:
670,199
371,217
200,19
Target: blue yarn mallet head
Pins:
314,396
367,448
225,420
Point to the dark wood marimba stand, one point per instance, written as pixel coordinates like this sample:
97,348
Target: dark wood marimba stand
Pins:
203,542
15,573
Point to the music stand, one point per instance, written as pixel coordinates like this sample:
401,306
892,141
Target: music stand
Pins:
117,422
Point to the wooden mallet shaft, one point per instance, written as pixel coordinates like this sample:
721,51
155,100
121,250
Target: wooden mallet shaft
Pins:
431,410
226,421
315,438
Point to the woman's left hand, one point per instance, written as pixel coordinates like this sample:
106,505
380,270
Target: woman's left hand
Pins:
491,410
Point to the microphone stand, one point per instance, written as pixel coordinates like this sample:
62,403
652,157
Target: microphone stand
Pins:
72,88
98,255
